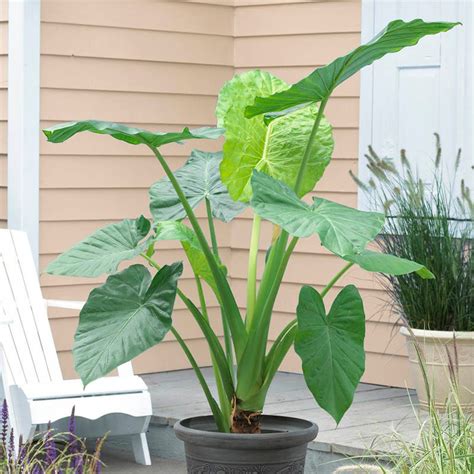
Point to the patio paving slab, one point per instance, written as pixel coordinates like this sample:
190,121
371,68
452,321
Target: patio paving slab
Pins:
377,410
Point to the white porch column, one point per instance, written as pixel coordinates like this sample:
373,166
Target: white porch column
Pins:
24,118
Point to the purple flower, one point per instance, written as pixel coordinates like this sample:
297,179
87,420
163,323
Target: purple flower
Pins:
4,417
36,469
11,448
72,438
50,447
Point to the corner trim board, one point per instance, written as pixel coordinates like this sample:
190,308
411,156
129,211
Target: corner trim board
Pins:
24,118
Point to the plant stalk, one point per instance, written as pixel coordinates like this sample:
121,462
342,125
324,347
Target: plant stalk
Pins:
236,324
221,422
252,271
307,151
225,324
223,400
335,279
212,229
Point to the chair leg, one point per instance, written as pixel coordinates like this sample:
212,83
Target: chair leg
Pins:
140,449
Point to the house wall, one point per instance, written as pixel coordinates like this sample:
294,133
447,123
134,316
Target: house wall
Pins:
159,65
156,65
3,110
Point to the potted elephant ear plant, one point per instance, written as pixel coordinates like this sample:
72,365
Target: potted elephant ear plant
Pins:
277,146
431,220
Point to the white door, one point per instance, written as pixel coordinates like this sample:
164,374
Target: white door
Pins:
407,96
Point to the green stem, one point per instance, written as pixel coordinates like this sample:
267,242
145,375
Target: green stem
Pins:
225,324
252,271
212,229
335,279
307,152
294,322
236,324
207,330
225,403
222,423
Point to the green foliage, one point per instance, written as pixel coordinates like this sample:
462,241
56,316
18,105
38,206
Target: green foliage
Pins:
134,136
319,85
389,264
102,251
444,442
274,148
331,347
343,230
199,179
270,161
124,317
430,223
173,230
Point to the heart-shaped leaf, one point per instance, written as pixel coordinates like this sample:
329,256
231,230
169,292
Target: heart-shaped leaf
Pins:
174,230
343,230
199,179
135,136
102,251
386,263
124,317
276,147
319,85
331,347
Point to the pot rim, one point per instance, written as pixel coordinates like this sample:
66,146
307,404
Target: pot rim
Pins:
299,436
442,335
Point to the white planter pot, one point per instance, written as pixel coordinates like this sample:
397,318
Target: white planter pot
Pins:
435,347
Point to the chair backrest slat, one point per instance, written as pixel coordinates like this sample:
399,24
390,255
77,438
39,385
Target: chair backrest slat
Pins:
29,340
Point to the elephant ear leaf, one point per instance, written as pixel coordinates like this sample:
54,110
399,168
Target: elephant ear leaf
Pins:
331,347
174,230
273,147
389,264
135,136
342,230
102,251
124,317
199,179
319,85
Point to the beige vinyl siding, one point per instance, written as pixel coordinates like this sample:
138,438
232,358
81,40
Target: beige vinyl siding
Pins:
3,110
290,39
155,65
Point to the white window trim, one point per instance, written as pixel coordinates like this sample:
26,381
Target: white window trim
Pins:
366,100
24,118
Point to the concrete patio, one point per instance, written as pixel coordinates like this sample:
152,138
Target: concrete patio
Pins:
376,411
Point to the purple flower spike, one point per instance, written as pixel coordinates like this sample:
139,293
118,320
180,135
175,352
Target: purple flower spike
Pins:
50,448
5,419
11,448
36,469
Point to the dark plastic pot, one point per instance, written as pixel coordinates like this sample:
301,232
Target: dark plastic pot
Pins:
280,448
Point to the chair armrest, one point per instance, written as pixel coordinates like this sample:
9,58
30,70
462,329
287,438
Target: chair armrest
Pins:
65,304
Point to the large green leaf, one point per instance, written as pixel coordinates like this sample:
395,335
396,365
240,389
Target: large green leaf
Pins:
199,179
174,230
102,251
386,263
331,347
135,136
124,317
343,230
319,85
275,148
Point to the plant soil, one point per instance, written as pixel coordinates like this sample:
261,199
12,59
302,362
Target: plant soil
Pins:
246,422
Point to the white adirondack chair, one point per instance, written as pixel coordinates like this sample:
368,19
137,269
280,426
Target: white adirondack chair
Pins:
30,375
